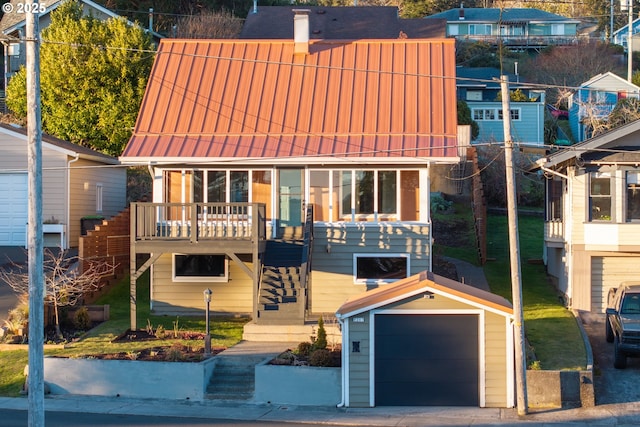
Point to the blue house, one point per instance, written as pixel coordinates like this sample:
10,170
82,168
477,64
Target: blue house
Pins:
621,36
595,99
480,89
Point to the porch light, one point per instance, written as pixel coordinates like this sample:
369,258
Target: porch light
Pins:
207,338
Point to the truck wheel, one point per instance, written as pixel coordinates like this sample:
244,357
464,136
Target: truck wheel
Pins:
619,358
608,330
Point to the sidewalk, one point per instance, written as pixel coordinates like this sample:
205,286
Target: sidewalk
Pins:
607,415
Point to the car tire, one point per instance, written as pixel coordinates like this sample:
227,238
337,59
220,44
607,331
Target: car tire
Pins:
619,358
608,330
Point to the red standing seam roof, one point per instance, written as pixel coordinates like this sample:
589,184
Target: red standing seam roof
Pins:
256,99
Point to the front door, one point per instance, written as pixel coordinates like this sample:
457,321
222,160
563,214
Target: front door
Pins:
290,196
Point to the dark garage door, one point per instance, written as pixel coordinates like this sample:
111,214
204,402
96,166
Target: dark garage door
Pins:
426,360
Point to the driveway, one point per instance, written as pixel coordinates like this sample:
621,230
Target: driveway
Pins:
611,385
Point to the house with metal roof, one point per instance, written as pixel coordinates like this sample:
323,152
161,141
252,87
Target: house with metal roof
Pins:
479,87
340,22
289,175
515,28
592,223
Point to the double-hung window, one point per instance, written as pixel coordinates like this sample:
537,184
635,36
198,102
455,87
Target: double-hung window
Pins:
633,196
600,196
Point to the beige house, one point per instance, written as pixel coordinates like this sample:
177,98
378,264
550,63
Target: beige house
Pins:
592,224
77,182
427,341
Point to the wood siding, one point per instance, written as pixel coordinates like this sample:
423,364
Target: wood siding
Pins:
359,366
332,280
84,177
186,298
495,363
608,272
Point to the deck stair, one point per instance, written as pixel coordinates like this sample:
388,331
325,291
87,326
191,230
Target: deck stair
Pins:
282,295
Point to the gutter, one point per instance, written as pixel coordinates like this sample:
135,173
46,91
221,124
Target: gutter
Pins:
68,213
343,358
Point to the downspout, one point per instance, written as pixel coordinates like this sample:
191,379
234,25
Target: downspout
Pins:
68,207
343,358
151,172
428,208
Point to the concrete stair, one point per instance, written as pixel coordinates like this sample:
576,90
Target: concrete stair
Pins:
233,379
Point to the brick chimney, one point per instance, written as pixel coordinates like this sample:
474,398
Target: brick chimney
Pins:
301,31
461,11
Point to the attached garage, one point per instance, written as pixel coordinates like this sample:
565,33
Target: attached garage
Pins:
427,341
14,212
608,272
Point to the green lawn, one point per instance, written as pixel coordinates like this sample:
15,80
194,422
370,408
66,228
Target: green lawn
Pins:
225,332
550,328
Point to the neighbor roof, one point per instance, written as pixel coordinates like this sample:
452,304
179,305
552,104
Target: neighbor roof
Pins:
245,99
346,23
501,15
423,283
602,81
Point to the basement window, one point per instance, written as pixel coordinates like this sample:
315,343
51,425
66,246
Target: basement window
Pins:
380,269
200,268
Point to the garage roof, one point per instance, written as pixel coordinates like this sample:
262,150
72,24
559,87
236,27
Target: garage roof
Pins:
425,282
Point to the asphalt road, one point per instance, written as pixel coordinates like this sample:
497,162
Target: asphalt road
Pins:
611,385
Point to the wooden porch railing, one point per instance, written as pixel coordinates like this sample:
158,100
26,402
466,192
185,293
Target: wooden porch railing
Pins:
198,221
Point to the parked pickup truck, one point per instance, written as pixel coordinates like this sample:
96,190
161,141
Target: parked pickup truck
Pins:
622,324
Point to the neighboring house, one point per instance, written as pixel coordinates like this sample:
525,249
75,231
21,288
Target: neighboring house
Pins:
516,28
480,89
13,26
592,224
427,340
244,137
595,99
76,182
621,36
340,22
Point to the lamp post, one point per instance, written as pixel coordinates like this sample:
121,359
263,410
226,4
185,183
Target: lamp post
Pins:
207,338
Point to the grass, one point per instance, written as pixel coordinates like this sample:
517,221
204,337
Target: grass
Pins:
468,251
225,332
550,328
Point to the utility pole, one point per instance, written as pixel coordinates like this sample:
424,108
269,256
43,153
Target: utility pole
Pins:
514,253
35,379
627,5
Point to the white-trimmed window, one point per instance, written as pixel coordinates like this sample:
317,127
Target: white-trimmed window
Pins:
200,268
480,29
376,268
513,112
99,197
484,114
600,196
474,95
633,196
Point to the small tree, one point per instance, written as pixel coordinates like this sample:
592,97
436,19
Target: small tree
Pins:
66,280
321,340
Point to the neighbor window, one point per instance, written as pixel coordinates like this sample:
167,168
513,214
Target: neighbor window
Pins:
514,113
378,268
633,196
200,268
484,114
600,196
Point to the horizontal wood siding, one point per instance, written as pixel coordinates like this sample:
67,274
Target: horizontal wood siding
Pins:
54,186
608,272
176,298
359,367
82,199
495,341
332,275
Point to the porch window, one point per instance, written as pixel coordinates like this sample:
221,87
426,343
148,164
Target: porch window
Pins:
216,186
554,200
369,192
633,196
380,268
200,268
600,196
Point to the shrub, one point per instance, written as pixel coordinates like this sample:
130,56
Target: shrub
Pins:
304,349
175,353
81,319
321,340
322,357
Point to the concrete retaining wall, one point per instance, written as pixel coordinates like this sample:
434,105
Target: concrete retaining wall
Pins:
128,378
557,389
298,385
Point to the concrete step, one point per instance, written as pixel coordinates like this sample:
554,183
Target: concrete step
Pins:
233,379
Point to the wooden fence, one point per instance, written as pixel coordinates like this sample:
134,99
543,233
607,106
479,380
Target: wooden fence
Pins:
479,206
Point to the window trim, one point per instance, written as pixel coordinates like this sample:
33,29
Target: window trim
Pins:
363,281
627,174
217,279
591,197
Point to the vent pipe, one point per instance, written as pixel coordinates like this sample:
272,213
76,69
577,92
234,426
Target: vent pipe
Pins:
301,31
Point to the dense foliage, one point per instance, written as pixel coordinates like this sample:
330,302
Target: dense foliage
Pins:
93,77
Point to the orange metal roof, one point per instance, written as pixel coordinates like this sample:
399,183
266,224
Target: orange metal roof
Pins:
419,283
256,99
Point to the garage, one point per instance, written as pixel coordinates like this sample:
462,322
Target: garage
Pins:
14,212
427,341
608,272
439,369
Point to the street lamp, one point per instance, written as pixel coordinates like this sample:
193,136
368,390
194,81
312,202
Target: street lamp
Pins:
207,338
